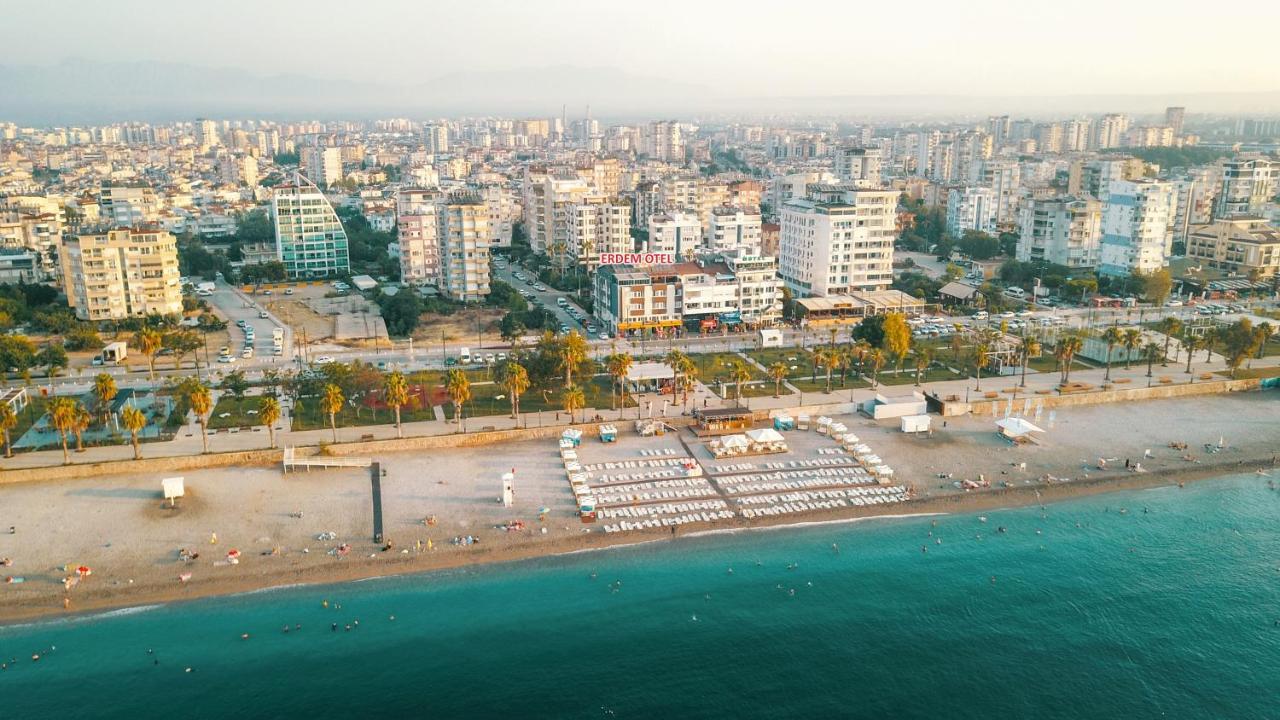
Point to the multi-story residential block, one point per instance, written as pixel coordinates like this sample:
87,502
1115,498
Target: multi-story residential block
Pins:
1137,226
838,239
1242,245
630,301
665,141
206,135
1004,177
599,225
972,208
678,193
733,228
310,239
1248,184
784,188
1173,117
1061,230
126,272
128,206
324,166
435,137
646,200
1110,131
416,235
464,247
40,233
759,289
676,233
859,166
549,198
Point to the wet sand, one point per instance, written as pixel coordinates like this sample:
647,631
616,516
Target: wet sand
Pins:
119,526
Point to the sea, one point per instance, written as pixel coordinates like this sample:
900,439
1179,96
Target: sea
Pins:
1148,604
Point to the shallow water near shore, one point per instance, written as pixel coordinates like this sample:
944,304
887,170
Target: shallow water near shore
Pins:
1169,608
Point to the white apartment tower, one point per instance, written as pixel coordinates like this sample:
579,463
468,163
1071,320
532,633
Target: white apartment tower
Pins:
1248,184
1062,230
676,233
599,225
733,228
462,227
972,208
122,273
859,165
435,137
665,141
838,239
324,165
1137,226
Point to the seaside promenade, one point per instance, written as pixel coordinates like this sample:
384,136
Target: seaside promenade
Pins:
187,441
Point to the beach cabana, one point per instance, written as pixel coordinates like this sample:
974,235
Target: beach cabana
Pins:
802,421
608,433
824,424
573,435
838,431
767,439
1015,428
784,422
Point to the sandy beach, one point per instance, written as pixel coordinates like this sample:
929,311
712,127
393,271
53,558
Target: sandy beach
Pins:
120,527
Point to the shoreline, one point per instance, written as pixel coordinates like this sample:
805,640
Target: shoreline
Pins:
115,599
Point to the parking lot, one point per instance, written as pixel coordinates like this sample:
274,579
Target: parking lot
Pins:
567,313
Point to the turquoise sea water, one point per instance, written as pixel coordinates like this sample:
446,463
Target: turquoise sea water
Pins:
1166,613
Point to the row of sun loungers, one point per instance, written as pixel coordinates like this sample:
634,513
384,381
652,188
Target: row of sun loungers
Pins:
759,487
658,451
805,502
667,522
608,496
640,477
832,451
631,464
652,511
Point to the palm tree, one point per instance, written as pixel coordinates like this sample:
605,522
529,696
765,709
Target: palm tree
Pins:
740,373
825,358
1265,331
201,401
924,358
459,389
1190,343
1170,326
573,399
860,350
573,351
688,374
980,353
1131,341
1111,336
515,380
1208,341
778,371
8,421
82,422
269,414
678,362
395,392
1151,351
149,342
133,421
62,416
876,359
331,404
1030,346
1065,352
104,388
618,364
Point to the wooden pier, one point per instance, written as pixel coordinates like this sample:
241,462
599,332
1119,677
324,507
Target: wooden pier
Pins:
293,462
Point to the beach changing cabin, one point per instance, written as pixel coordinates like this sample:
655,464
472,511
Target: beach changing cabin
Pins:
784,422
608,433
573,435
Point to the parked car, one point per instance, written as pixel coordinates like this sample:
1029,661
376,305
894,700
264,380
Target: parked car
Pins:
324,360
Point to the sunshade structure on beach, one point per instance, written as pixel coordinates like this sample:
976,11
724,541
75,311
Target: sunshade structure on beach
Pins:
1016,428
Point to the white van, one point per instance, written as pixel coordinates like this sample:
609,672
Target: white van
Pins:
981,315
464,357
1015,292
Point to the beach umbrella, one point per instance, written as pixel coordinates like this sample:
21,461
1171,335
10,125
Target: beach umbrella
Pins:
184,577
84,571
233,554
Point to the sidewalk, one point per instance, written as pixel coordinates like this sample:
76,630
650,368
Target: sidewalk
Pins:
187,441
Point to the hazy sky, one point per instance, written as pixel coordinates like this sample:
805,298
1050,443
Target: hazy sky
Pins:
743,48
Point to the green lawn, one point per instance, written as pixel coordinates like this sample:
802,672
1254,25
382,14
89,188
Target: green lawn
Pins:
1261,372
485,398
239,413
32,413
908,375
307,415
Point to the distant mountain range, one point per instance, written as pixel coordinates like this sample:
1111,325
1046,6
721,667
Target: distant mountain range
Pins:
83,92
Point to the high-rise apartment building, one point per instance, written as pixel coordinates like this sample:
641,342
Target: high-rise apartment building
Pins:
310,239
1004,177
665,141
1248,184
1173,117
435,137
127,272
1061,230
859,165
599,225
1137,226
1110,131
972,208
416,235
324,166
838,239
677,233
464,247
128,206
733,228
548,199
206,135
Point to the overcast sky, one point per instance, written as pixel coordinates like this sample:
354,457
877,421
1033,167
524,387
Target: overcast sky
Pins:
742,48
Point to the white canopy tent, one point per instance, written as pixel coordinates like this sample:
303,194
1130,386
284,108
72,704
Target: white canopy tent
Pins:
1015,427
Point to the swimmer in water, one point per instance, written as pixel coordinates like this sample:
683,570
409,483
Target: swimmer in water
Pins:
836,548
